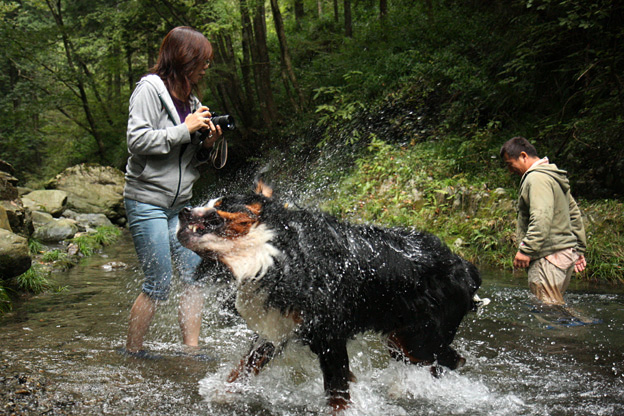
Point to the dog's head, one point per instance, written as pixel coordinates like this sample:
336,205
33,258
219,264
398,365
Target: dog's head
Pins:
209,230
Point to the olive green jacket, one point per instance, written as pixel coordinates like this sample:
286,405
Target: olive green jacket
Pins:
548,218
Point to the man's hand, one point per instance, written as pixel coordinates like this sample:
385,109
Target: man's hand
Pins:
580,264
521,261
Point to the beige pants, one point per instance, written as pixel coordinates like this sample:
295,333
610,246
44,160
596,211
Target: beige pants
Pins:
548,282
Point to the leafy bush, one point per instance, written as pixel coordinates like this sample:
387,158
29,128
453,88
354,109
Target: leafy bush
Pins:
605,240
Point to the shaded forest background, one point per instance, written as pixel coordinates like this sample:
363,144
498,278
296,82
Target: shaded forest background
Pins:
466,74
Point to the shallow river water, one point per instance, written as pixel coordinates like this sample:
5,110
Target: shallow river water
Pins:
58,356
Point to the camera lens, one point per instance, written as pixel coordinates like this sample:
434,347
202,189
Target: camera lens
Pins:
225,121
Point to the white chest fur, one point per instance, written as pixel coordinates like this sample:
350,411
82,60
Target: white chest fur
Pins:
249,257
270,323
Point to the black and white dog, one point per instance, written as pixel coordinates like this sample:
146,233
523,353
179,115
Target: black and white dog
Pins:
302,274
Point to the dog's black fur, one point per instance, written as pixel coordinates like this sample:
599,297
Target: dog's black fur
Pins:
332,280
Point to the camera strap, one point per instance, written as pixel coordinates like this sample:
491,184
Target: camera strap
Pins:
219,153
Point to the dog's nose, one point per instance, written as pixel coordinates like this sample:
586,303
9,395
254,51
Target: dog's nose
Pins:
185,213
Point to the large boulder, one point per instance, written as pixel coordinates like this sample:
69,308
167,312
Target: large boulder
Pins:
18,216
8,188
13,216
87,222
4,220
40,218
14,255
56,230
51,201
92,188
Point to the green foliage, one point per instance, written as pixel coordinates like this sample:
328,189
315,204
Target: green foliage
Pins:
34,280
605,240
5,301
422,98
35,246
546,69
339,109
410,187
53,255
91,242
60,259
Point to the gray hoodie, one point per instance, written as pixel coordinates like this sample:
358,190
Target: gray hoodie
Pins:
549,219
162,166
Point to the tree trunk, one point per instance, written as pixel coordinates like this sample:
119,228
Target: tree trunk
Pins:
116,80
69,54
285,56
262,65
336,12
246,65
299,12
348,24
383,9
233,98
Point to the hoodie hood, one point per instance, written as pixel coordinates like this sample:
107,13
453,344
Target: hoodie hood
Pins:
551,170
165,97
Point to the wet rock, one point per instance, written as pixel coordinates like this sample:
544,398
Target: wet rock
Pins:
19,217
73,250
50,201
21,191
88,222
114,265
14,255
40,218
56,230
4,220
30,394
7,186
92,188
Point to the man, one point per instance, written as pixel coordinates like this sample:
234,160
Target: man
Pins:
550,228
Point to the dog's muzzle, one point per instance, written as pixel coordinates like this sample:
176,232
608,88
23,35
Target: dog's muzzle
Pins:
199,220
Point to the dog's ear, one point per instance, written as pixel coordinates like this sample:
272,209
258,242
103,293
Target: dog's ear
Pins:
263,189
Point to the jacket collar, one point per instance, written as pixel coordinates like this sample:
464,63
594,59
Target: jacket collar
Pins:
166,99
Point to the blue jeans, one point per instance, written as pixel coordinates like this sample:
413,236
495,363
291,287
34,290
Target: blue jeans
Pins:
153,231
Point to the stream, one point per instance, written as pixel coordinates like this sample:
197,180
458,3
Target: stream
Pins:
58,355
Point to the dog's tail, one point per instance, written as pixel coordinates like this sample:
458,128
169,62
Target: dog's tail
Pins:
261,186
478,303
475,275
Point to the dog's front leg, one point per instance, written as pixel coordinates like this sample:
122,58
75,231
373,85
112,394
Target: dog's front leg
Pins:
261,352
334,362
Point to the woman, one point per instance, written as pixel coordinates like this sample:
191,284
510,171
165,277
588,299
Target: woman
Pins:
165,145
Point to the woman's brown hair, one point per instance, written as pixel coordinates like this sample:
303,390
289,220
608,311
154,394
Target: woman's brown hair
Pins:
182,51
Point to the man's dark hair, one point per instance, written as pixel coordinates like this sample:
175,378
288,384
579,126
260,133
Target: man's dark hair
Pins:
513,147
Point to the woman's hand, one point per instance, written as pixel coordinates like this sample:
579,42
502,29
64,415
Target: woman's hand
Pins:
213,135
199,120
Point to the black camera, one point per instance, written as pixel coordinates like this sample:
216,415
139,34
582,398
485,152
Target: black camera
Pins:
226,121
